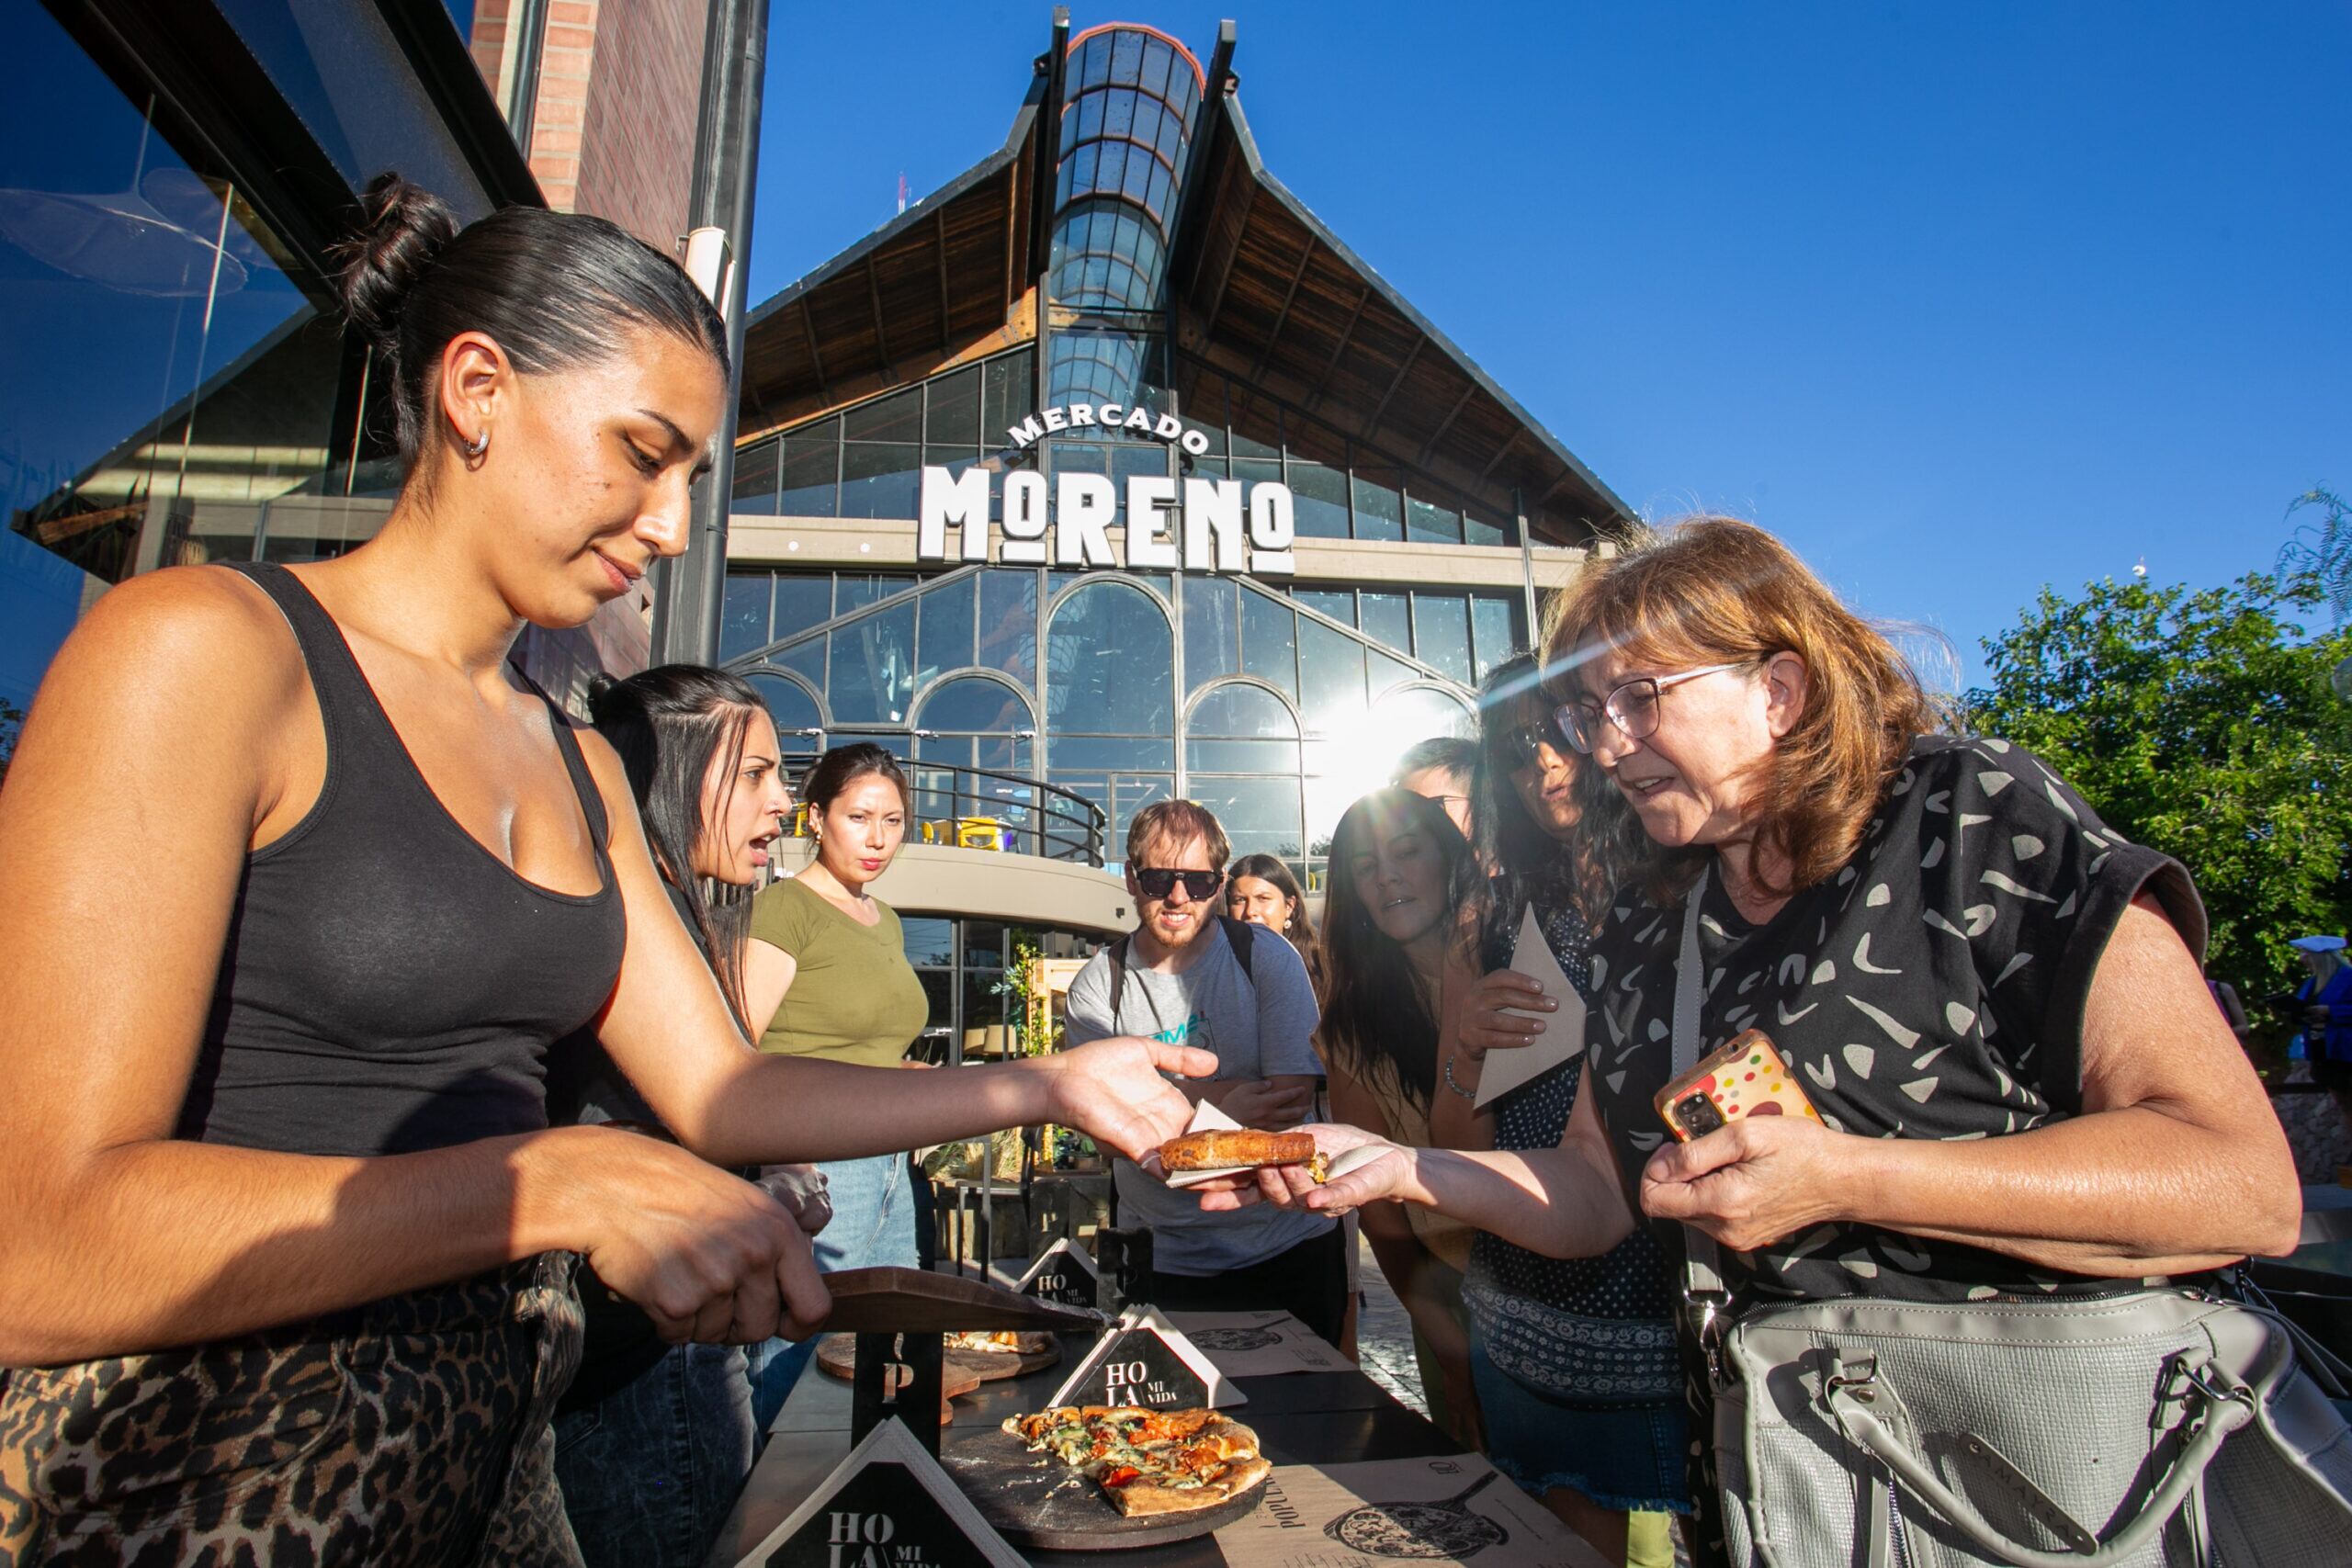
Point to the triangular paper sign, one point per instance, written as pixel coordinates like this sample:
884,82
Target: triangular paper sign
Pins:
889,1505
1144,1360
1063,1273
1563,1035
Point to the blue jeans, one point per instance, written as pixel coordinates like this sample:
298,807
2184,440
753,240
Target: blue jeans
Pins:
873,1226
1631,1457
650,1472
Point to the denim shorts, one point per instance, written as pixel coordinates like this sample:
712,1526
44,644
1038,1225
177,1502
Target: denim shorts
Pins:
1632,1458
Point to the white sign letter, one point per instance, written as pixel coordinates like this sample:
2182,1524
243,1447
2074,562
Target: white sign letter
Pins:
1195,443
1080,413
1026,433
952,500
1273,528
1148,541
1167,429
1213,525
1024,519
1083,507
1054,419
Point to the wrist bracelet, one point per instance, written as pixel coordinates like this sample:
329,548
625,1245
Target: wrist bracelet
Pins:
1465,1093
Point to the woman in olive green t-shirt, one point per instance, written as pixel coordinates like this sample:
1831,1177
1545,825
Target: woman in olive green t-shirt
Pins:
825,975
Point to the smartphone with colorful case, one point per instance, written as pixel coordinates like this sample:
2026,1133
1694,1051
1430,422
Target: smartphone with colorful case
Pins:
1746,1077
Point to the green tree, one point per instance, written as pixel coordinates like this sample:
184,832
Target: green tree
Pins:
2202,724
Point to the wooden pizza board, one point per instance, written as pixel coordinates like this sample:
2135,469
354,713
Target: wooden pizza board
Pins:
1033,1500
890,1301
961,1372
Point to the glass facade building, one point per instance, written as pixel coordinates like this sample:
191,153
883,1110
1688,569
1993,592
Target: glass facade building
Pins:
1136,306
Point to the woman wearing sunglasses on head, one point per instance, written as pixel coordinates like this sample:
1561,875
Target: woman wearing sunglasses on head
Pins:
1573,1359
1991,1001
285,1268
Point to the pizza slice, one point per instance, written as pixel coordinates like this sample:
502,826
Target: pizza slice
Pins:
1150,1461
1242,1149
1002,1342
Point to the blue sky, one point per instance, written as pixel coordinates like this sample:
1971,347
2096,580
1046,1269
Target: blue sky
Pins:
1959,301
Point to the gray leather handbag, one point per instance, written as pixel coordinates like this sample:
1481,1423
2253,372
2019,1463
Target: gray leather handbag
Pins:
2159,1429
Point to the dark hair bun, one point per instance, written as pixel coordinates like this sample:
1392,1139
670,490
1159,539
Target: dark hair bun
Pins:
610,700
403,228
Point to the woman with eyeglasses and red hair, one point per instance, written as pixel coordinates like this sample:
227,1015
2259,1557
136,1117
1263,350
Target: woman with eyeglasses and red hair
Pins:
1991,999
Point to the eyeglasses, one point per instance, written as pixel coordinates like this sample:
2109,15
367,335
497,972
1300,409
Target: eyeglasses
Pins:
1158,882
1632,707
1525,739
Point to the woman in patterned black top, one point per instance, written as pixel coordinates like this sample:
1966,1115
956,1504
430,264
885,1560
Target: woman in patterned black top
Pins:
1993,1001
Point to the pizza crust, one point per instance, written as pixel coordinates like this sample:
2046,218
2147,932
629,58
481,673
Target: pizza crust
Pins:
1155,1449
1228,1149
1146,1497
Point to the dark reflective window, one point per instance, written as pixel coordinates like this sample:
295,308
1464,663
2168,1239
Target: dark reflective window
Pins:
1427,523
1380,511
1321,495
897,417
1009,622
802,602
1388,620
812,463
806,660
1098,753
1241,712
1494,629
1109,658
1382,673
1212,630
793,710
754,493
743,614
856,590
1480,531
928,941
1339,603
951,416
1260,816
880,479
873,675
944,637
1009,387
1442,634
973,706
1269,643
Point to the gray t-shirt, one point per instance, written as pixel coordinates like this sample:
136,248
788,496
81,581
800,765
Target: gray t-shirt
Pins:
1260,1025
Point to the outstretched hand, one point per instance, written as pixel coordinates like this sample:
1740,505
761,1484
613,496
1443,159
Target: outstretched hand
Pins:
1752,1182
1111,1091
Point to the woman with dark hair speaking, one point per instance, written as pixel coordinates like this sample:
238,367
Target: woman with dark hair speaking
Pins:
1991,1002
284,1267
655,1440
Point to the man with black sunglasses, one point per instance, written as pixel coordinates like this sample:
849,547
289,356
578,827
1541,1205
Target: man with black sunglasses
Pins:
1190,974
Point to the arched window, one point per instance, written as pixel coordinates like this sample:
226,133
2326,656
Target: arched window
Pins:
799,727
1241,762
975,722
1417,713
1111,699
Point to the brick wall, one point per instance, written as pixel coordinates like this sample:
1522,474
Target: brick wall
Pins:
637,152
612,133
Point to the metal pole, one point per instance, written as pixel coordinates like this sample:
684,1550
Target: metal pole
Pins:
1526,567
726,159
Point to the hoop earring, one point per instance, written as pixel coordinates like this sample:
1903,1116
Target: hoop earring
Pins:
476,450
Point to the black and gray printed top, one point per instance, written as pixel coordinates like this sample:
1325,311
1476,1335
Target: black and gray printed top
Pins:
1932,989
1587,1331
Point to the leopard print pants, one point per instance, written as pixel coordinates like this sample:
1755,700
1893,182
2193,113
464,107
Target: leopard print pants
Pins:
414,1430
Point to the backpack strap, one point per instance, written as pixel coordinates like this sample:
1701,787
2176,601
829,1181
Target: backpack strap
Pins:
1236,936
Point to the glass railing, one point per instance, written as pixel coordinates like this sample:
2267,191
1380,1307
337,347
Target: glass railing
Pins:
981,809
